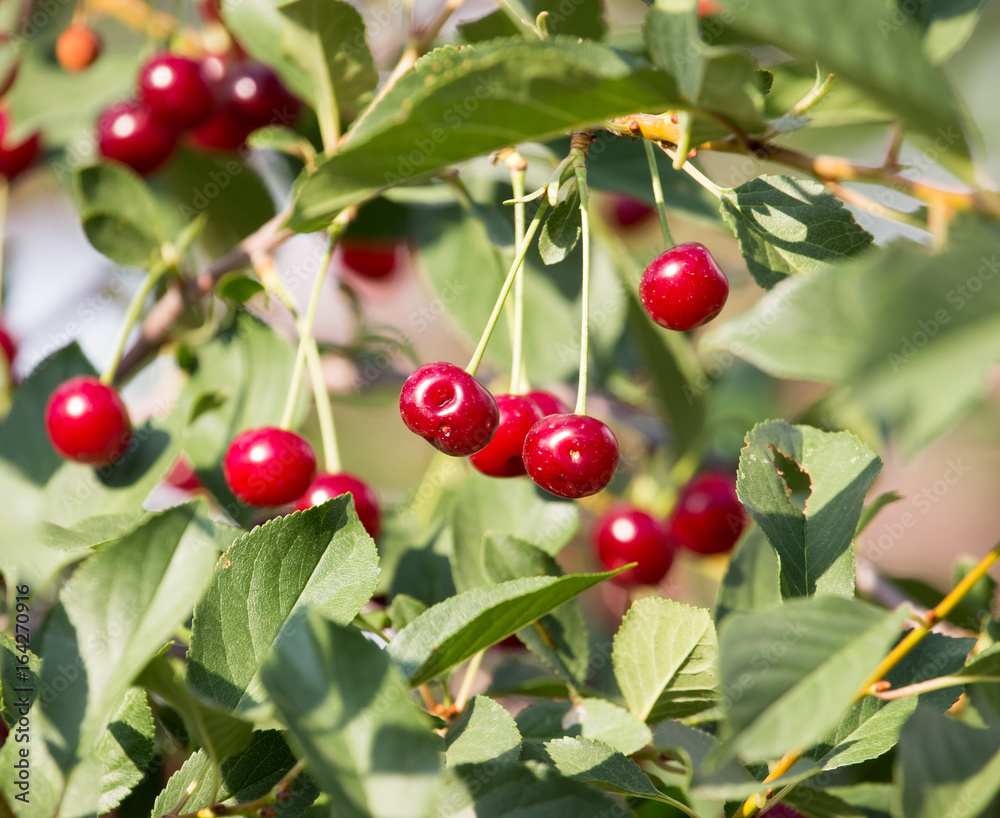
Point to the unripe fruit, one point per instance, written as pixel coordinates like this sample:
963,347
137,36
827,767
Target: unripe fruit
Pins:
571,456
86,421
78,47
268,466
683,288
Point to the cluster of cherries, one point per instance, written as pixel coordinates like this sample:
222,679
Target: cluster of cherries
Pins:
219,100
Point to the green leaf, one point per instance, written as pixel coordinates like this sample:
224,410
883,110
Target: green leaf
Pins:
986,663
321,556
366,742
871,510
243,777
582,18
483,732
520,791
912,334
91,532
947,24
452,631
673,37
866,44
945,768
326,38
872,726
751,581
585,759
790,226
119,214
16,672
776,666
813,546
404,609
497,94
591,718
562,229
238,288
126,749
665,656
693,747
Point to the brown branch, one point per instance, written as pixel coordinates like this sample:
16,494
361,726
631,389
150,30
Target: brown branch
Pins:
161,319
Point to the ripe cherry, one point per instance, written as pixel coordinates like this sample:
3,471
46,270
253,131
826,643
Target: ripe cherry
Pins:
182,476
571,455
548,403
327,486
129,133
683,288
626,534
176,90
86,421
259,97
708,517
449,409
502,456
268,466
7,344
78,47
369,257
15,158
627,212
782,811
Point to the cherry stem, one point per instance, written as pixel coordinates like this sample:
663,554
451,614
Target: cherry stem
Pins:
324,410
518,373
581,142
661,207
522,251
696,174
131,316
870,686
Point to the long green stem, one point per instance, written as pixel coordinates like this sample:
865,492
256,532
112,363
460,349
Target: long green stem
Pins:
324,411
580,169
471,671
305,327
518,376
131,316
477,356
661,207
697,175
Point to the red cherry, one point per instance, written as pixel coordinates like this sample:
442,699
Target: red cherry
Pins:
224,131
449,409
624,535
259,97
86,421
708,517
683,288
327,486
210,10
369,257
7,344
501,457
628,212
183,477
176,90
129,133
4,732
18,157
548,403
268,466
782,811
706,8
78,47
571,455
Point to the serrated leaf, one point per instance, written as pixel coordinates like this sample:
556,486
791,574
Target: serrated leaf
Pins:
776,665
693,747
591,718
594,761
326,38
789,226
238,288
321,557
947,24
944,767
126,749
814,546
243,777
751,581
562,229
665,656
866,44
367,744
483,732
15,673
452,631
91,532
584,18
404,609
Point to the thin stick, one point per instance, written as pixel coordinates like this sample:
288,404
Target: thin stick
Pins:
661,206
131,316
518,376
580,169
471,670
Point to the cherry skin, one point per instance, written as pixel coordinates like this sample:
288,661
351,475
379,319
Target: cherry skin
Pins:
548,403
571,456
176,90
77,48
369,257
7,344
708,517
502,456
183,477
626,534
782,811
683,288
259,97
627,212
129,133
15,158
268,466
326,486
86,421
449,409
225,130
